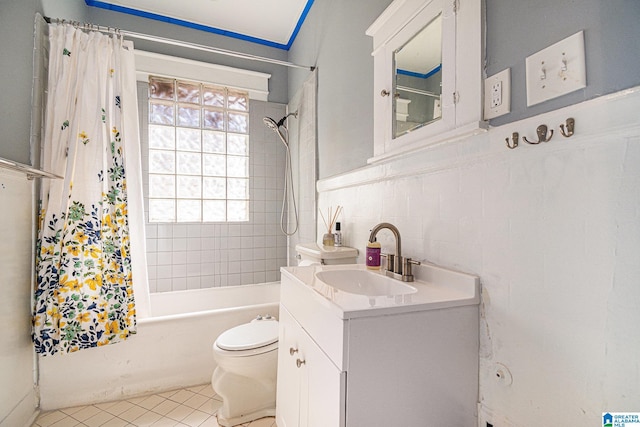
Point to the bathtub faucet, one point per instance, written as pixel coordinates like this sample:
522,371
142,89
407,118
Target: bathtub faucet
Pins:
398,266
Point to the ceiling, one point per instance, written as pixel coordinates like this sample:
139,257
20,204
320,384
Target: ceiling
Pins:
272,23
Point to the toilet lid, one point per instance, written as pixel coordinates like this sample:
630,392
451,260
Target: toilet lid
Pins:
248,336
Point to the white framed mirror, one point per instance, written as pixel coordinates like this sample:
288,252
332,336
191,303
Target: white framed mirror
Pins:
417,80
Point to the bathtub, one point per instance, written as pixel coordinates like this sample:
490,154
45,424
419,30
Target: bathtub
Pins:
171,349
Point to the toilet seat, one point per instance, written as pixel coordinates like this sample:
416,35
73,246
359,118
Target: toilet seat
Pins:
249,336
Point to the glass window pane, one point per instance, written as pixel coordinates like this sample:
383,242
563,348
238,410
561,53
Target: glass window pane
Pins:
162,210
214,165
161,113
189,187
238,101
213,96
189,210
212,142
213,119
188,139
214,210
188,163
238,122
238,144
163,137
238,188
160,88
237,166
214,188
188,116
162,186
197,171
162,161
189,92
237,210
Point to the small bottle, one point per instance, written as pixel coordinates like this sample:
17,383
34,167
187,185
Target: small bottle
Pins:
373,255
337,235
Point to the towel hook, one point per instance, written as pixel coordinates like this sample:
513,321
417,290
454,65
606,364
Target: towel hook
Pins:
571,123
542,135
514,137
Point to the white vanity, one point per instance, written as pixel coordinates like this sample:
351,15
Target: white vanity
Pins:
358,349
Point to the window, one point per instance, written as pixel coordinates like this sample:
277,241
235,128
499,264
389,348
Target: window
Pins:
198,152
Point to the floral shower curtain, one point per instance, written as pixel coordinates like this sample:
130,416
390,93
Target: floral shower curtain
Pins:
84,292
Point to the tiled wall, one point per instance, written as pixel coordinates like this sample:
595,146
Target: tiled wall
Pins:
193,256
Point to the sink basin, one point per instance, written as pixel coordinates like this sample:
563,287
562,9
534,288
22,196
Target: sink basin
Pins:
362,282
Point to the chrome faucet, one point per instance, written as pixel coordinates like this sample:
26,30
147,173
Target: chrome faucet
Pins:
398,267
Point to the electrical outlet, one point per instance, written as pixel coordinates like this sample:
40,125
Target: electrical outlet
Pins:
497,94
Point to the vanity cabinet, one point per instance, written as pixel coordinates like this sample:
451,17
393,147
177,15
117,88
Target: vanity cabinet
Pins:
373,368
428,57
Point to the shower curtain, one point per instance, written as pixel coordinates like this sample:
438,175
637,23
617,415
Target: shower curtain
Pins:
84,290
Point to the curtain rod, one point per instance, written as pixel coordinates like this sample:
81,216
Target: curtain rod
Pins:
163,40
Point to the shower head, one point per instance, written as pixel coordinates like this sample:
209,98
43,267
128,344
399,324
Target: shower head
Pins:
274,126
271,124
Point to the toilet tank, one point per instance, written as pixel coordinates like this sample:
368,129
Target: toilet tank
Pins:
312,253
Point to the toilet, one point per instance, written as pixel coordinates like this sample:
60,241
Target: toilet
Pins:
247,355
245,378
314,254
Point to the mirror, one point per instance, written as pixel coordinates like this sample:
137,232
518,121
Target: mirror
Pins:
417,90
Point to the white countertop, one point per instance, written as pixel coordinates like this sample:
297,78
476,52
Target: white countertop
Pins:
436,288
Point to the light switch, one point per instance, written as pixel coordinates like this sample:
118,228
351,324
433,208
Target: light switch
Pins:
556,70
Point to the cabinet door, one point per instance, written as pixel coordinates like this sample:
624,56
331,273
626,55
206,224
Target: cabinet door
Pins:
311,389
325,389
288,385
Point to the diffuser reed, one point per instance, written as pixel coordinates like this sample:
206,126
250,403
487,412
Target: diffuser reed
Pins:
328,239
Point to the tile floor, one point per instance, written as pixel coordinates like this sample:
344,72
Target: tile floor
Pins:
188,407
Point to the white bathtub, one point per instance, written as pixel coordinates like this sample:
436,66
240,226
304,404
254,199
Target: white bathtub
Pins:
171,349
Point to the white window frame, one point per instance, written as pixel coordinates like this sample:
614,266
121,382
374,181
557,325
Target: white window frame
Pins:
148,63
152,64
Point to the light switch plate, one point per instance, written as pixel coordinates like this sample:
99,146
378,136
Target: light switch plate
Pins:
556,70
497,94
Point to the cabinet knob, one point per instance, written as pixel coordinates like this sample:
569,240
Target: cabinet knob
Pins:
299,362
292,351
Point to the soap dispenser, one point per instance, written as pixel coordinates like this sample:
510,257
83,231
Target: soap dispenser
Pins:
373,255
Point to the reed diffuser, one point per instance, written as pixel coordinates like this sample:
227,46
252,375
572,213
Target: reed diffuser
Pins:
329,239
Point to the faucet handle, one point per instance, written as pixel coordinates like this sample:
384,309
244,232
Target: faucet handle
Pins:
390,261
407,275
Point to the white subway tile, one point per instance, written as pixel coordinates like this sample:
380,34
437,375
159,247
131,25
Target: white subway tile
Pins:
165,245
179,244
163,272
179,270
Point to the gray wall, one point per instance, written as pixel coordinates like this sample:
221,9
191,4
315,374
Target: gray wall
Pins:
333,38
16,69
611,33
